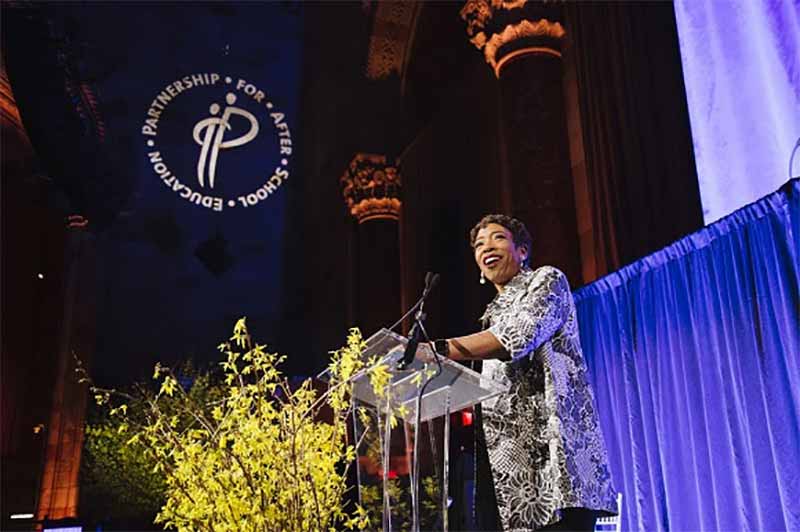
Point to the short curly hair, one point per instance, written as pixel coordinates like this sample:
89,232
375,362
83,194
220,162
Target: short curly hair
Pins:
519,232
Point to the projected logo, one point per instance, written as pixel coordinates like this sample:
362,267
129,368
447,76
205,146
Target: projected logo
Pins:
217,142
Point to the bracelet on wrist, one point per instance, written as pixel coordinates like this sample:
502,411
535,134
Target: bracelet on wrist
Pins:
442,347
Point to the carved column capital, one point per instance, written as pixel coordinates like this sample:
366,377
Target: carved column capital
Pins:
505,29
371,188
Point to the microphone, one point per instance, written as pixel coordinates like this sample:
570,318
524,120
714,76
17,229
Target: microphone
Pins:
431,280
411,347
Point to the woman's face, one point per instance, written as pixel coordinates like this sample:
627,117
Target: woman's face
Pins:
496,254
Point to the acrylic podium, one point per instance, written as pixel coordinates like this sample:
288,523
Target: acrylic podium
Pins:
454,389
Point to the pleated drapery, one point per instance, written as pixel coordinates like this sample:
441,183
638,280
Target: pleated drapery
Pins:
693,353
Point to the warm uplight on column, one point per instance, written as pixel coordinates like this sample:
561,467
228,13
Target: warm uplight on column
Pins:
507,30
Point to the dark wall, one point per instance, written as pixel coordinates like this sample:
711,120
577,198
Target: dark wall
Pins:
452,176
335,107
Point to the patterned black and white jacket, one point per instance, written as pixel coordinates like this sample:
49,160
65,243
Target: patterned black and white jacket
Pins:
544,443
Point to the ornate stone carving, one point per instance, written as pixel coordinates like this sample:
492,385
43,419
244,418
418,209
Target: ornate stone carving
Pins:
392,32
477,14
371,188
497,40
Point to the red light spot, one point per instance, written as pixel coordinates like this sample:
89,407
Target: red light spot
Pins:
392,473
466,418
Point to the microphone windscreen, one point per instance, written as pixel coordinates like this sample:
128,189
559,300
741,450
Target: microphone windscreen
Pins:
433,280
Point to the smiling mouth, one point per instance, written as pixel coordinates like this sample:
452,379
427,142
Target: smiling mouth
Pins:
491,260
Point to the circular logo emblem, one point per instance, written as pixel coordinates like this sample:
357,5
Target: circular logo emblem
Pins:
217,141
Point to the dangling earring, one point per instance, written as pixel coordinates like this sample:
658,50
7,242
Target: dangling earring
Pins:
483,279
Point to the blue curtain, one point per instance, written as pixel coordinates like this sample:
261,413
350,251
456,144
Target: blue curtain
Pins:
693,354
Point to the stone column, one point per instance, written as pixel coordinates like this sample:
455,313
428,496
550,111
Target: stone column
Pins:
521,41
58,496
371,189
50,321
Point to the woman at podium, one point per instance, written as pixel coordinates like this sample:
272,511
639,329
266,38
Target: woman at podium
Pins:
547,467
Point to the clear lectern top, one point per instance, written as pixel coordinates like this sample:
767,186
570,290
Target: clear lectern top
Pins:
465,386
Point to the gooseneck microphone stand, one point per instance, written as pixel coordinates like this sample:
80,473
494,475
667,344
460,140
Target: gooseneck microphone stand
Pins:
415,527
431,279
